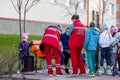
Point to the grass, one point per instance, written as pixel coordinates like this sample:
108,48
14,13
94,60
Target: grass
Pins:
8,40
9,46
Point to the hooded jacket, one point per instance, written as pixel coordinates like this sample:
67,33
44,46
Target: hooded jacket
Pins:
91,39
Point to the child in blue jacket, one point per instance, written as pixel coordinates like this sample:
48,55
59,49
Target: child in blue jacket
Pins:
91,43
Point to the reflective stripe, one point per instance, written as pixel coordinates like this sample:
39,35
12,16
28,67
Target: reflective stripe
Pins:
58,65
49,66
50,28
51,35
79,28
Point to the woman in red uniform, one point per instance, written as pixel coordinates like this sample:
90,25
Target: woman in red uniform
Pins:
51,46
76,42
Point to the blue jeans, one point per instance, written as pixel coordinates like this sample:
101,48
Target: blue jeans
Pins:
20,62
105,54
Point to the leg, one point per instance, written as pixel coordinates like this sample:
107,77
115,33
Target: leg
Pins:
73,59
62,59
19,64
48,58
91,58
57,56
102,56
107,56
66,54
81,64
119,64
97,57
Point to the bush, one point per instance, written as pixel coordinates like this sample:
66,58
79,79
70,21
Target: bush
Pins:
9,51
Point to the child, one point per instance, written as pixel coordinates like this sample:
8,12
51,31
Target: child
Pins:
104,42
91,43
23,50
114,51
65,52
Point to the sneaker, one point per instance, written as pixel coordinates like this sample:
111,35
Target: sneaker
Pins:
100,70
108,70
50,75
59,75
74,75
91,75
67,71
18,72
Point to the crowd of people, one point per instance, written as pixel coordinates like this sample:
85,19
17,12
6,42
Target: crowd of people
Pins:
101,45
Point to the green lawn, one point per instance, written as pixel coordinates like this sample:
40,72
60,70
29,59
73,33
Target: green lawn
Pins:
8,40
9,51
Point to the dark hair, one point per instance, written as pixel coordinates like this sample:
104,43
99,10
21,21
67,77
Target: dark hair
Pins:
59,25
75,16
92,24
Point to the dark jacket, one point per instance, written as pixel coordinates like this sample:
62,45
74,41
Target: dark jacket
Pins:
64,40
24,49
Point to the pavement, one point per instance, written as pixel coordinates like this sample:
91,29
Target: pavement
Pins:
42,76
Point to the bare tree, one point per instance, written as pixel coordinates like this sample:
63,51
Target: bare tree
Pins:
75,4
22,7
105,4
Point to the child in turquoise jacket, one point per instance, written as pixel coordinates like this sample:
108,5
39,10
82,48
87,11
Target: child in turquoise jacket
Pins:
91,43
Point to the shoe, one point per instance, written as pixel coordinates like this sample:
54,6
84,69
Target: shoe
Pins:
62,66
50,75
91,75
82,74
74,75
100,70
59,74
67,71
18,72
108,70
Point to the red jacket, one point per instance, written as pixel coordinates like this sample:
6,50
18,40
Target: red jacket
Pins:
52,37
78,35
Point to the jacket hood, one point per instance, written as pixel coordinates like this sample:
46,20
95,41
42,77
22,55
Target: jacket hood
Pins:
95,31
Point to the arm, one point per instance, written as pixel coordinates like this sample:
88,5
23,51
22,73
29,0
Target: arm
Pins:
69,31
87,38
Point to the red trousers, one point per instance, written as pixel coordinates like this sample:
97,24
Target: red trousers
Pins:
49,51
77,62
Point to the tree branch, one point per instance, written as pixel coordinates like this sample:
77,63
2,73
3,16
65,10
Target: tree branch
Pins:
14,6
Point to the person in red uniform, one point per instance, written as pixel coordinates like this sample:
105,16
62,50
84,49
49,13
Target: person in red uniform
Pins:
50,44
76,42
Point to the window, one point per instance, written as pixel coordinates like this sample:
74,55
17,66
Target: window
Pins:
93,15
83,4
70,2
111,9
53,1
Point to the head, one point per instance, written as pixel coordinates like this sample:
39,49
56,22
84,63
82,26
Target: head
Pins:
104,26
59,25
67,29
75,17
92,24
24,36
114,30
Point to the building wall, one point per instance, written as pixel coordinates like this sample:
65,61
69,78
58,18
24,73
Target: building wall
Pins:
118,13
110,19
45,13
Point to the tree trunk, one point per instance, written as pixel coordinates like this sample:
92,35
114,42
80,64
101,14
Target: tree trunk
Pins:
20,24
